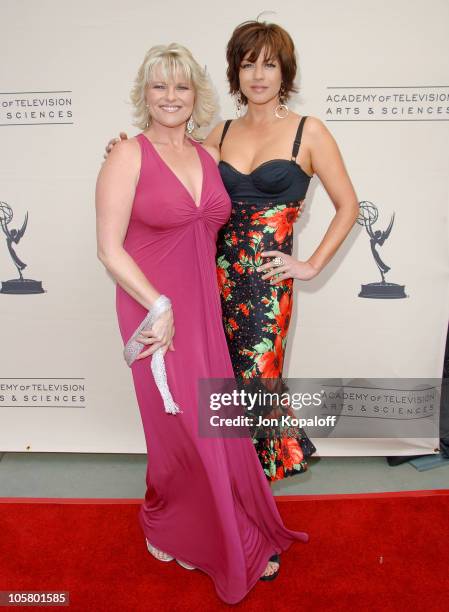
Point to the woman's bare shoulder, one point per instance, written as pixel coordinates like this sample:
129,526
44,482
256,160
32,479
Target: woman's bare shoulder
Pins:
314,126
125,152
129,146
213,151
214,136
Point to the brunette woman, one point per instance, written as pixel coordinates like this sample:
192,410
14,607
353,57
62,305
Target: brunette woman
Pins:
268,158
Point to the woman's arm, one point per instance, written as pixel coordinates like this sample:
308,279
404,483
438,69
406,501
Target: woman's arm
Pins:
328,165
114,197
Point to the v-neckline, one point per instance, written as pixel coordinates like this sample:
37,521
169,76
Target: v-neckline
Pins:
177,177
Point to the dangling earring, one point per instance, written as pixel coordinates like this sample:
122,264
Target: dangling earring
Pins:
147,125
281,110
190,125
238,103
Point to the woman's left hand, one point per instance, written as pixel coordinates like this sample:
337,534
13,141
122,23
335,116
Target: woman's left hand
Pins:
291,268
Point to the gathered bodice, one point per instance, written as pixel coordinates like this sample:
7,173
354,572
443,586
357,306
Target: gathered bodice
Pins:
163,204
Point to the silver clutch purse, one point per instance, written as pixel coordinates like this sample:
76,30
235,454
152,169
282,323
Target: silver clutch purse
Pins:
133,348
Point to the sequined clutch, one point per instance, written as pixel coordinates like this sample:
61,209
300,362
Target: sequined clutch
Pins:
134,347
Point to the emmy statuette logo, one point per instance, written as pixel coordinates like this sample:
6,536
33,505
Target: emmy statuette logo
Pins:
368,216
13,236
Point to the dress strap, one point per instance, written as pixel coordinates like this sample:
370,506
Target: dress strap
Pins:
225,129
298,138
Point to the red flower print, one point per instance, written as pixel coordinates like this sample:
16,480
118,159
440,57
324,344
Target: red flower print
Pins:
283,221
244,309
283,318
270,363
291,452
242,254
238,268
287,282
258,217
233,324
221,277
279,473
234,239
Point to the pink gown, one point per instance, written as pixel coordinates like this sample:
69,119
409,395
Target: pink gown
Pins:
208,502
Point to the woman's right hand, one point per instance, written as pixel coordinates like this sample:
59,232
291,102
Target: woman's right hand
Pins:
111,144
159,336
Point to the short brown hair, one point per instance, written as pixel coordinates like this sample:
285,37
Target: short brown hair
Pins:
251,37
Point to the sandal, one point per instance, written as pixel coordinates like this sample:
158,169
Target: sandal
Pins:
274,559
158,554
185,565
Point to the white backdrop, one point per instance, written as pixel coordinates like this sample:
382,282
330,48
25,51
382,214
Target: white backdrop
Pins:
84,56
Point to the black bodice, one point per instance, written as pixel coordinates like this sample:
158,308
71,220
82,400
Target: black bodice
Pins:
276,181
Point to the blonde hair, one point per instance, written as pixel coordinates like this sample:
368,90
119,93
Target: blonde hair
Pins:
173,58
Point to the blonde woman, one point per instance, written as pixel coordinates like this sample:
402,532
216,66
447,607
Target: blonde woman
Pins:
160,203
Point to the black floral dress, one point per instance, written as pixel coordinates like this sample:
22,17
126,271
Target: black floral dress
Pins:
256,314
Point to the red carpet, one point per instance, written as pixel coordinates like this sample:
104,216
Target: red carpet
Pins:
383,552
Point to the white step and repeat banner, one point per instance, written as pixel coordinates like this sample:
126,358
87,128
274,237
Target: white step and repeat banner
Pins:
375,72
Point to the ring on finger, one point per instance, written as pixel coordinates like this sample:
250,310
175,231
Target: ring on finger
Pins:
277,262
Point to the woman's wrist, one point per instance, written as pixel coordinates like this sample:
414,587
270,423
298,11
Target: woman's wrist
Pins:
152,301
160,305
314,265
